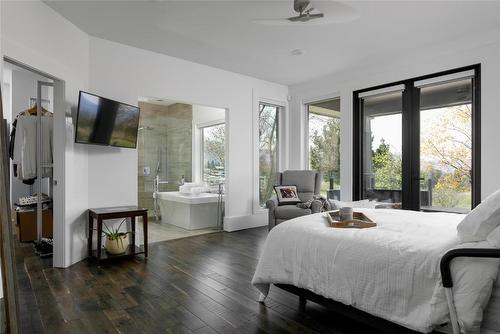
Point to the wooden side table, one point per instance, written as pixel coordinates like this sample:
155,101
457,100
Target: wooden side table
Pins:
101,214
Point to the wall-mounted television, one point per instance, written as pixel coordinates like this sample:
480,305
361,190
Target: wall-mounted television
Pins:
101,121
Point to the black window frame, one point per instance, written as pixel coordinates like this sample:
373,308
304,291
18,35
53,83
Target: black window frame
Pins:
411,131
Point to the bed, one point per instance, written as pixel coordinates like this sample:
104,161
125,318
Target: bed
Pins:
390,271
491,321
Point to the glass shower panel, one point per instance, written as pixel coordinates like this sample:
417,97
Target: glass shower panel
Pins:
164,149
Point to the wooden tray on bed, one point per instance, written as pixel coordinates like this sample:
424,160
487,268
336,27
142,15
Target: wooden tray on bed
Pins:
360,220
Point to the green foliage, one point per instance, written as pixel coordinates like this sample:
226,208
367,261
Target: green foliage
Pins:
447,148
214,144
448,191
214,154
325,147
324,152
114,233
387,167
445,159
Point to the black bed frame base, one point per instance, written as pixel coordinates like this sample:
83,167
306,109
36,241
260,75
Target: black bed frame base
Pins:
378,324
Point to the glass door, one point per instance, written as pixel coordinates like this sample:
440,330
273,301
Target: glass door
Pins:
416,142
381,167
446,146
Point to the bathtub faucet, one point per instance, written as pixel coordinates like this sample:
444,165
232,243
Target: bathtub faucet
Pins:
157,183
156,189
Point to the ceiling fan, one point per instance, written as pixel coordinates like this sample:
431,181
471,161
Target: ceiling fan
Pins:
304,10
318,12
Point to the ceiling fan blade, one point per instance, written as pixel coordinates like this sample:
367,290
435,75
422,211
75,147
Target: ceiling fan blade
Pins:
295,18
305,17
316,16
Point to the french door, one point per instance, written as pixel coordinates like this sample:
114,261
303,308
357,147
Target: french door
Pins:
417,143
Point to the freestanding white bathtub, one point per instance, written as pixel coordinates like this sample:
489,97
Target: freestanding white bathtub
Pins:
191,212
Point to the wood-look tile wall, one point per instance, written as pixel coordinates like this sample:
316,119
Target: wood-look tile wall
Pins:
168,130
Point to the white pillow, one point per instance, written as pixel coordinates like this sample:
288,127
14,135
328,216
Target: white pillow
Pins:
481,221
363,204
494,237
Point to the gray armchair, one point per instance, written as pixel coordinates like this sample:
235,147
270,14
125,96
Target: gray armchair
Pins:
308,184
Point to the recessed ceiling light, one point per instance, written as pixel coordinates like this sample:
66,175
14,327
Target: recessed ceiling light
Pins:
297,52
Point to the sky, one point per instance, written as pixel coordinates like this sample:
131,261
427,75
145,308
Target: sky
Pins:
387,128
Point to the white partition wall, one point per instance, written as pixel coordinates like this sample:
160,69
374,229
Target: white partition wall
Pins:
46,41
134,73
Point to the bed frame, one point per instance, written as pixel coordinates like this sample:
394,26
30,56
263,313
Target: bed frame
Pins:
385,326
445,266
378,324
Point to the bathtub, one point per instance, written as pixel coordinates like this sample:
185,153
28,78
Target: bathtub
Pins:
190,212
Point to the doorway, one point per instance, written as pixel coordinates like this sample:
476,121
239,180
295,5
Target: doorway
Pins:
181,167
23,84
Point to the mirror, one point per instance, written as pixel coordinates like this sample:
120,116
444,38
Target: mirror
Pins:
9,299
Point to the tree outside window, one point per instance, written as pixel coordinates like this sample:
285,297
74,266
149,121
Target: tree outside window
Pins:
268,150
446,158
324,144
214,149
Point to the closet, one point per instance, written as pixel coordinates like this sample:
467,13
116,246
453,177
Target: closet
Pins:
29,109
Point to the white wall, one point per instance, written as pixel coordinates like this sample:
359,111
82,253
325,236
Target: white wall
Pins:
203,116
125,73
35,35
484,49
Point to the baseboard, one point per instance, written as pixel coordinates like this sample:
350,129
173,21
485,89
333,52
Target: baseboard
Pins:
236,223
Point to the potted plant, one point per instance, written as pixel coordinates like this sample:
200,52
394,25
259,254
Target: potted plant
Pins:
116,241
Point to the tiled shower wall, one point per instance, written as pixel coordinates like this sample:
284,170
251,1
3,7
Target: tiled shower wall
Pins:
166,136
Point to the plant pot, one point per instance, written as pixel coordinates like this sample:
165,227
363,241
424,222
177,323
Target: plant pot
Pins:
117,246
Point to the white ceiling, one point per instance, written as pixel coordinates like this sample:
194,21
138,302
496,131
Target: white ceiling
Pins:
224,34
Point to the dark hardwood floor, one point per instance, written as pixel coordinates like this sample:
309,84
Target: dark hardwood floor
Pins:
194,285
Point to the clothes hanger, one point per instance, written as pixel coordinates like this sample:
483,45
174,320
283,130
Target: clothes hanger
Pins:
33,111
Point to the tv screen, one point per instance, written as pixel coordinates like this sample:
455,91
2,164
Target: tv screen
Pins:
102,121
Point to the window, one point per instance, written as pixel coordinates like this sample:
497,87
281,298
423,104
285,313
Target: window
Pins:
417,142
268,150
324,144
213,154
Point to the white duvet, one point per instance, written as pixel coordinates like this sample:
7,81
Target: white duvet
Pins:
390,271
